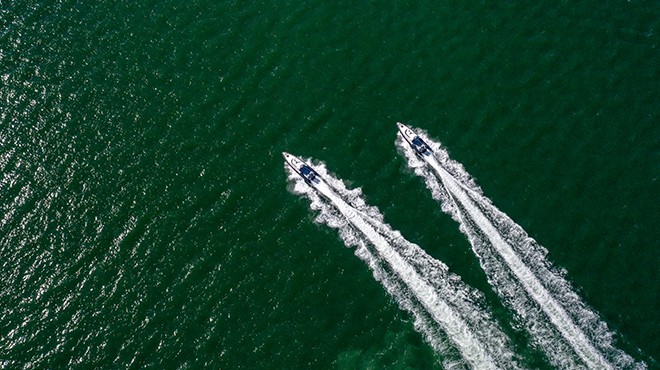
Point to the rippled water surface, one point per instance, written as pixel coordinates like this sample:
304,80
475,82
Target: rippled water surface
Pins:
145,219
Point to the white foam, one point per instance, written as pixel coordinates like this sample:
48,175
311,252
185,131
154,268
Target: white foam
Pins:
420,284
561,324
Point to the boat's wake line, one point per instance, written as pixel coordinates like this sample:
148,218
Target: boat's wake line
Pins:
560,324
448,313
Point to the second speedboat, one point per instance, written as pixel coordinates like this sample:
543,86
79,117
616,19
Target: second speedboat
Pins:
421,148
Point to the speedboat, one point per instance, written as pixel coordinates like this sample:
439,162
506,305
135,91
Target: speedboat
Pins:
308,174
421,148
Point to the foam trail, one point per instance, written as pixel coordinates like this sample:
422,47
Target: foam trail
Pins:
441,312
560,323
422,322
549,305
436,274
446,311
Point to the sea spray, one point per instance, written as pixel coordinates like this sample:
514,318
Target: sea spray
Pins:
560,323
449,314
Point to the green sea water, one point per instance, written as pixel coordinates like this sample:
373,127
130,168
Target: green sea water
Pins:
145,220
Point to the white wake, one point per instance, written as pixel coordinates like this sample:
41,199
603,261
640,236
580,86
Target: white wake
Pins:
560,323
448,313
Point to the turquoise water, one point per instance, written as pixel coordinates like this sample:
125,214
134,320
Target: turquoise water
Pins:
145,216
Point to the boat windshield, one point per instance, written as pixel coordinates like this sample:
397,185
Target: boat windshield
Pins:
421,146
305,170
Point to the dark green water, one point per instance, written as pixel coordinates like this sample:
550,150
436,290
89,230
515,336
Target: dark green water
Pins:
145,220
